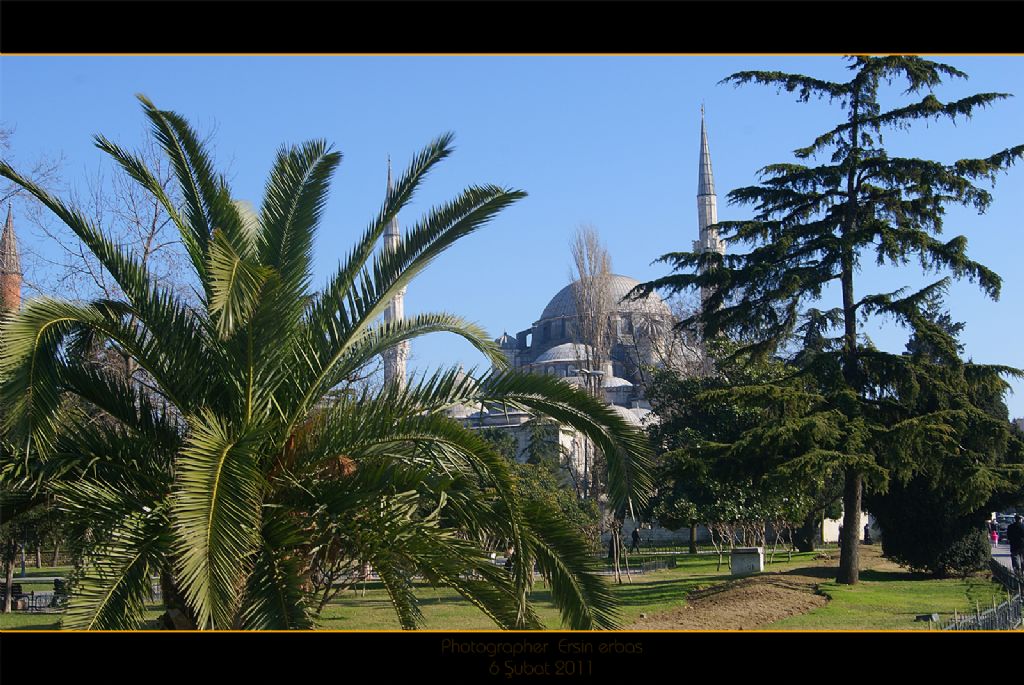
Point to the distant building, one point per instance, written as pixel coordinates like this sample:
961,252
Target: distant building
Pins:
641,338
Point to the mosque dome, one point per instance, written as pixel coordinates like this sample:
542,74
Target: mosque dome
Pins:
566,352
563,304
506,341
636,417
615,382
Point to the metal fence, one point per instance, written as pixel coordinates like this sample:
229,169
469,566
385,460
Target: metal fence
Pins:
1003,616
39,601
641,567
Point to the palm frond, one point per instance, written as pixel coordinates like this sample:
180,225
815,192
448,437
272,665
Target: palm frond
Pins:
274,598
345,278
112,593
339,328
624,446
584,599
236,283
135,167
216,511
293,200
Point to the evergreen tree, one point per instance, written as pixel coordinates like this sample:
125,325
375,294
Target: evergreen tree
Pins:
932,517
698,463
815,221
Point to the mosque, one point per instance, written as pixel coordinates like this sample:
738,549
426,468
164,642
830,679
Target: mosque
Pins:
641,330
641,337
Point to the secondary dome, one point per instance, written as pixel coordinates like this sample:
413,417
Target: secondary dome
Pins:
567,352
564,302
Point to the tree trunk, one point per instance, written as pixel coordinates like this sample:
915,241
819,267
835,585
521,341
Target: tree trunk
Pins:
9,585
39,556
618,550
693,538
56,553
848,557
805,535
849,554
177,614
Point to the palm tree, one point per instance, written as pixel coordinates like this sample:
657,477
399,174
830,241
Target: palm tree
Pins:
231,467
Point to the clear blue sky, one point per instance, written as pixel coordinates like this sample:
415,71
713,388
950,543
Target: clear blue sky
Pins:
610,141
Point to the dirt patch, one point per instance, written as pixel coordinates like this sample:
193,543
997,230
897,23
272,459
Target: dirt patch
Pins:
756,602
739,605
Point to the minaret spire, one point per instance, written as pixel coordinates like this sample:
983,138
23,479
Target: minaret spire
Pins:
707,202
10,267
394,357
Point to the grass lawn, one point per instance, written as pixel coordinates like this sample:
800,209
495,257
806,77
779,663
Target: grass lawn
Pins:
886,598
23,620
444,609
890,600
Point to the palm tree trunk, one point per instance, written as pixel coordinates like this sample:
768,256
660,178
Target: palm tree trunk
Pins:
177,614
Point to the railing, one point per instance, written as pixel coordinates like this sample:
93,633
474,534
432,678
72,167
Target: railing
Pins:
1004,616
39,601
641,567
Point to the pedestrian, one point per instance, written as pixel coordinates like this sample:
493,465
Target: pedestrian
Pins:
636,541
1015,535
510,559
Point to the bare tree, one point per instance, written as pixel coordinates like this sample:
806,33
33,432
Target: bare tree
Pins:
676,347
595,307
45,170
590,273
128,215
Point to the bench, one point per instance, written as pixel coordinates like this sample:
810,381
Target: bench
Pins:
16,591
18,602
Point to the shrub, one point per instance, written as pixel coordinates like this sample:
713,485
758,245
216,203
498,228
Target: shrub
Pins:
921,530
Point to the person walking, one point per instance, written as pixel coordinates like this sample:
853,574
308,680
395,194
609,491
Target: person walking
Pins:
636,541
1015,536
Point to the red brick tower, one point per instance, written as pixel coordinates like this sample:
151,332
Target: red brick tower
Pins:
10,268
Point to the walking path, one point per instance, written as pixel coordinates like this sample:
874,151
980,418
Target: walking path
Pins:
42,579
1001,553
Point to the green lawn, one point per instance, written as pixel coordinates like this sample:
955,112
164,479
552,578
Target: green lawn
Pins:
884,599
25,621
890,600
445,609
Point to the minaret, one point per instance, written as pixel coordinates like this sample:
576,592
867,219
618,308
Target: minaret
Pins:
707,203
395,357
10,268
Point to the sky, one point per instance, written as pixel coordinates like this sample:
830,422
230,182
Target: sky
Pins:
609,141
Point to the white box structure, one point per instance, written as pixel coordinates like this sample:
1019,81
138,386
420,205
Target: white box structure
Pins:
747,560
